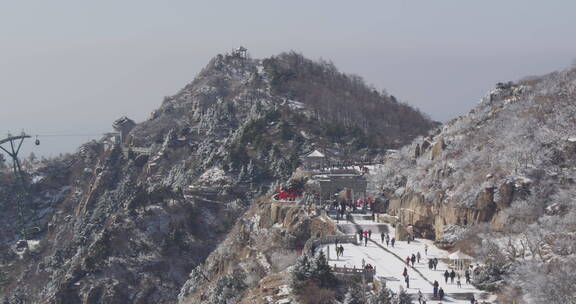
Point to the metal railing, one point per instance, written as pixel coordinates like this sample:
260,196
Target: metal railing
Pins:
329,239
359,272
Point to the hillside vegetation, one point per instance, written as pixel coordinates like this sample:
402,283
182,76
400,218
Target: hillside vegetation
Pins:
501,179
128,222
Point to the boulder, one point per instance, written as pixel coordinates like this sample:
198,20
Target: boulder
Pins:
402,232
506,193
437,149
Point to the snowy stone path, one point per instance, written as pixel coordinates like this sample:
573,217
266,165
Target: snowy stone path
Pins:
389,263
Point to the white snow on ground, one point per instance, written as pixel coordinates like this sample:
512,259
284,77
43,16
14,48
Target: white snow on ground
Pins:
214,176
389,268
284,290
295,105
37,179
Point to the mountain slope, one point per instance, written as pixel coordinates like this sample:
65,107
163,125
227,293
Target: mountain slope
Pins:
127,222
501,178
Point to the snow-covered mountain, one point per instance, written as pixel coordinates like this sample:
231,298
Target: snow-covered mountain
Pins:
500,182
127,218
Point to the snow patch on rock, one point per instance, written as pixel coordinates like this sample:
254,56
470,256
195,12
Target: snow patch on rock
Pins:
214,176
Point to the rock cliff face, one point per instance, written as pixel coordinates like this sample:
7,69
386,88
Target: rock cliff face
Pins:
127,218
263,243
515,147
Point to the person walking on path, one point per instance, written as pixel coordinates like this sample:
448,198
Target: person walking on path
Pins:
446,276
408,260
435,263
387,240
365,241
441,293
430,264
382,237
419,297
408,239
392,242
452,276
426,249
361,234
407,280
467,275
418,257
370,233
405,272
435,288
341,250
413,259
458,282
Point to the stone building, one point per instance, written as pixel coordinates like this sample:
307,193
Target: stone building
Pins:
343,180
314,160
123,126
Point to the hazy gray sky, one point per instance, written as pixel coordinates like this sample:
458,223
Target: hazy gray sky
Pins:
72,67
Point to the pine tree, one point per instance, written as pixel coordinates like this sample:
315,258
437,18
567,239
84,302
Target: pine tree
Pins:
229,288
403,297
354,296
194,282
383,296
300,273
250,171
242,176
321,271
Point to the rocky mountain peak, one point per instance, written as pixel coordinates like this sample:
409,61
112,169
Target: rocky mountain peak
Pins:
127,217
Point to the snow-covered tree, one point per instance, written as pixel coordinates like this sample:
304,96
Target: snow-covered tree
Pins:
382,296
229,288
402,297
321,271
193,283
551,283
300,273
354,296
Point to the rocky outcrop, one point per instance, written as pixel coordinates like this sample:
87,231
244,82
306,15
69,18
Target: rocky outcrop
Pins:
510,149
437,149
263,243
429,217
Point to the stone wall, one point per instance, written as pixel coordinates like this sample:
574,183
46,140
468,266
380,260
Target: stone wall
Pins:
334,183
